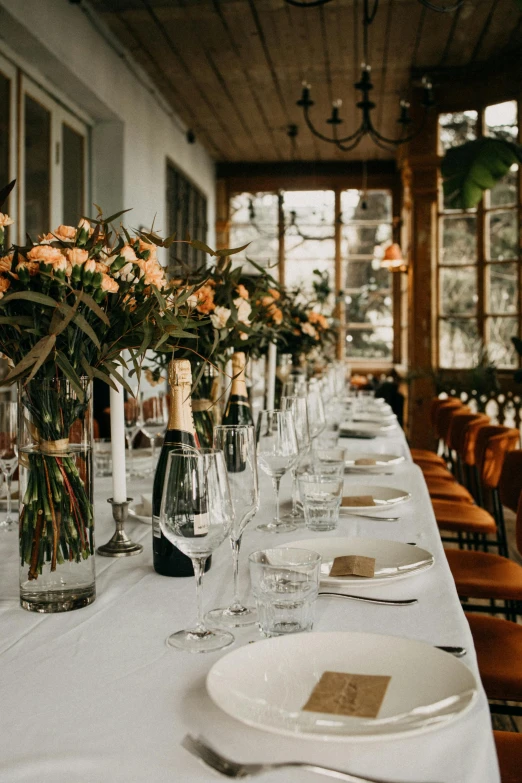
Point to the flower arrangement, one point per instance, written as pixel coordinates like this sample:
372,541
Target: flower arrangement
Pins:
70,304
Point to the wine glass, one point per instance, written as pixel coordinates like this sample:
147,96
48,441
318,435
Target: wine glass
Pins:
132,427
8,453
196,516
316,415
153,419
238,445
277,452
298,406
294,385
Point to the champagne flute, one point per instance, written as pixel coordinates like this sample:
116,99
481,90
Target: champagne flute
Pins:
238,445
132,427
196,516
154,418
8,453
277,452
298,406
316,415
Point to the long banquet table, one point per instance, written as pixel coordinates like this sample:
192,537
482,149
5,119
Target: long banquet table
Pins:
95,695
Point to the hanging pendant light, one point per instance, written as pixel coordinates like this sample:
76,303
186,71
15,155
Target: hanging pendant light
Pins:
393,260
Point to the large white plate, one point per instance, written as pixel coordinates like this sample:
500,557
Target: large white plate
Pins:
382,496
375,417
382,461
136,511
370,427
393,560
266,684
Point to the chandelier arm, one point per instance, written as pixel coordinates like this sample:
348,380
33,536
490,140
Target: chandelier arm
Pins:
404,139
442,9
353,145
329,139
376,140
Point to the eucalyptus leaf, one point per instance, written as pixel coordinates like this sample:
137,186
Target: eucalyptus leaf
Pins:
230,251
47,347
89,301
80,321
65,365
474,167
29,296
198,245
4,193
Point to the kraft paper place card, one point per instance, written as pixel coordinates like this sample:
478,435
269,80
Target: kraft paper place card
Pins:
357,695
353,565
358,500
365,461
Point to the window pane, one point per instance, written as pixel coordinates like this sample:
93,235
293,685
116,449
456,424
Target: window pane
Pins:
457,127
369,329
72,144
370,205
309,236
459,343
300,274
254,219
361,240
502,288
505,192
500,331
186,213
502,235
501,120
365,273
4,129
458,291
309,242
459,240
37,168
309,207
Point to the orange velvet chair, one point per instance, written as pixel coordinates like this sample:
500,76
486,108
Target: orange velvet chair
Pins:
486,575
425,455
509,752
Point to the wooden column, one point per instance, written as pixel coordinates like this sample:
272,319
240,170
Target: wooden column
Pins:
423,163
222,214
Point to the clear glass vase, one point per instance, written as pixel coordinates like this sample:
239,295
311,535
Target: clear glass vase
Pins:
56,531
202,402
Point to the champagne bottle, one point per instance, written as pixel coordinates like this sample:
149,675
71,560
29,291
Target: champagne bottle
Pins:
168,560
238,406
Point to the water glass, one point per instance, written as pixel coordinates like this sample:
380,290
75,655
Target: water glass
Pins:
329,461
102,457
297,405
277,452
285,583
321,496
154,419
8,453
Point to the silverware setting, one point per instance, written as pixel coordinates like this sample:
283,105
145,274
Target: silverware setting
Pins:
458,652
384,601
344,510
200,748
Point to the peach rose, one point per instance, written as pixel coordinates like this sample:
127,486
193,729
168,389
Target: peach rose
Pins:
318,319
127,273
90,265
85,225
6,262
242,291
276,315
65,233
220,317
143,246
47,255
274,293
5,220
4,285
77,256
109,285
205,297
154,274
308,329
243,310
33,267
128,253
267,301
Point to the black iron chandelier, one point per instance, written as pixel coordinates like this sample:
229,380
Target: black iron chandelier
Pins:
366,105
441,9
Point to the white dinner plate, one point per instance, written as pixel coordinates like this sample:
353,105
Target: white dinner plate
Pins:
370,427
382,496
382,461
267,683
375,417
393,560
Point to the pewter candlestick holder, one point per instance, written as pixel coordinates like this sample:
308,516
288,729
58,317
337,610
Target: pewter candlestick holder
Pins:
120,544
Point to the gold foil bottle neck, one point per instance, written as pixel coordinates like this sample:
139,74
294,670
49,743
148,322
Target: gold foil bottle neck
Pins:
180,372
238,362
238,375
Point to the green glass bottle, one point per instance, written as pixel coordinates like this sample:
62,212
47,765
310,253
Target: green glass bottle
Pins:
167,559
238,409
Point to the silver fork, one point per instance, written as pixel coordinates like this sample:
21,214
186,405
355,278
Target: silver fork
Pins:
344,510
200,748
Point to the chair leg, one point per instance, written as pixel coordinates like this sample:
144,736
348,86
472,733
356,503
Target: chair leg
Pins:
498,513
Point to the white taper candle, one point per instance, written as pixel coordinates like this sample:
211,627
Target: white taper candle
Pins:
119,482
271,376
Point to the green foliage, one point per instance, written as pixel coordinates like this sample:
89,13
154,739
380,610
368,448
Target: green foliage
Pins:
474,167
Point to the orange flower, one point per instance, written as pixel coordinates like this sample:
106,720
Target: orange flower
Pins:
4,285
318,319
274,293
6,262
77,256
276,315
47,255
5,220
205,297
65,233
242,291
109,284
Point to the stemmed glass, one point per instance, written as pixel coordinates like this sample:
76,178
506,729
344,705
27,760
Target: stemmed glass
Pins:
132,427
316,415
238,445
8,453
196,516
277,452
154,418
299,409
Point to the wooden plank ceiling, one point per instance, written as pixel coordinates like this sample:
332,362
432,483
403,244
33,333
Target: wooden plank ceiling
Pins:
233,69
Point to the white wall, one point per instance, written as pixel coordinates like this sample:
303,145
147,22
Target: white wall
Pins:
134,131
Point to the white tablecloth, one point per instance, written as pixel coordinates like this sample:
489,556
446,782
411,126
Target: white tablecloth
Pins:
95,695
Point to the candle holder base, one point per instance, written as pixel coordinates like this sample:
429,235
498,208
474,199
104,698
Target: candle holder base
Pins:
120,544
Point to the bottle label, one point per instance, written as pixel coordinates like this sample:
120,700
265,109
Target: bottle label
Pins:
156,530
200,524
